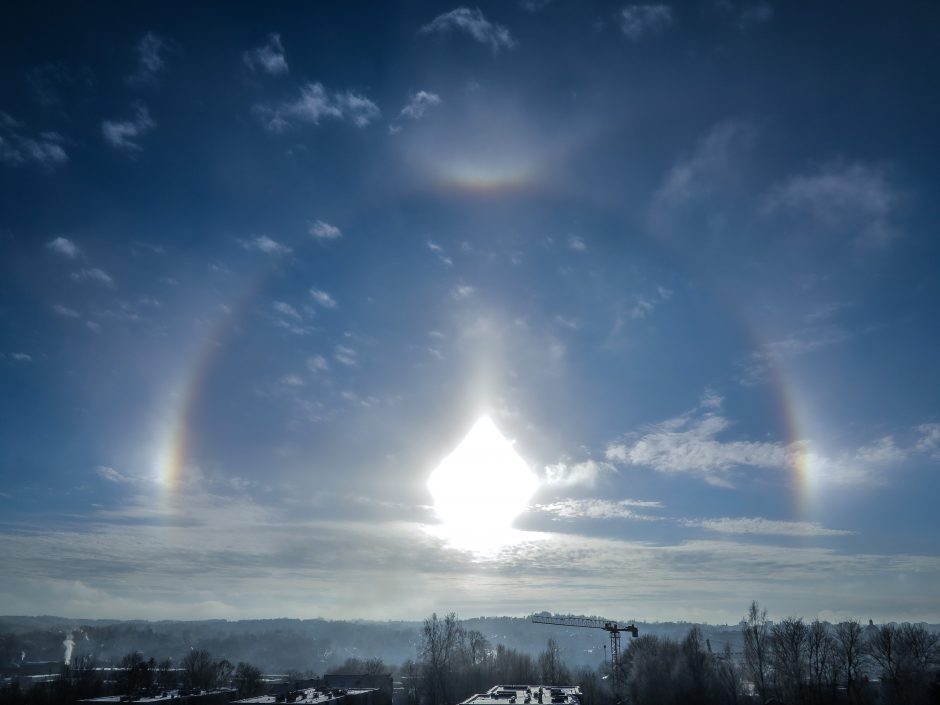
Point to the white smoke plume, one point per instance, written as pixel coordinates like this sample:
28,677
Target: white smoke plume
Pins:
69,645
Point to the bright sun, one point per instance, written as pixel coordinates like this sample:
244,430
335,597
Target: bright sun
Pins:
480,488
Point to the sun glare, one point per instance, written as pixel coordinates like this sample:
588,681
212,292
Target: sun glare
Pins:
480,488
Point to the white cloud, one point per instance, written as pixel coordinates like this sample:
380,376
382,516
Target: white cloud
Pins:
64,246
112,475
315,104
587,472
687,444
636,21
462,291
764,527
150,51
17,148
712,164
439,251
853,198
264,244
268,58
98,276
577,243
690,444
323,298
292,381
323,231
884,451
472,22
21,357
65,311
285,309
756,368
748,13
644,305
317,363
125,134
929,441
598,509
419,104
345,355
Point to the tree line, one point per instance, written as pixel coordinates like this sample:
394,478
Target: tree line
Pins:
790,662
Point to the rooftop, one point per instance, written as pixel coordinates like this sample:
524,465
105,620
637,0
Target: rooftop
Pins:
306,696
545,694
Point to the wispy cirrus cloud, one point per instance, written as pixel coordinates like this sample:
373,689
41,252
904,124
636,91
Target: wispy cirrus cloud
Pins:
764,527
857,199
462,291
694,444
599,509
65,311
314,104
473,23
112,475
345,355
644,304
586,472
929,441
19,148
269,57
713,163
747,13
756,368
65,247
324,232
126,134
322,298
419,103
151,50
439,251
262,243
638,21
95,275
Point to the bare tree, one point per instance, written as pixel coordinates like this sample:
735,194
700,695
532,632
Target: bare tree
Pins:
439,642
248,680
788,650
821,661
198,669
851,653
756,648
729,678
552,669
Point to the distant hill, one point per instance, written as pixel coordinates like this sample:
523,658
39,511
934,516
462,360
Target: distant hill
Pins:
304,644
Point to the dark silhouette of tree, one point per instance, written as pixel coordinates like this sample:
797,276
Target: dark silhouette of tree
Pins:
438,646
198,669
552,669
789,658
756,648
850,647
247,680
136,674
822,666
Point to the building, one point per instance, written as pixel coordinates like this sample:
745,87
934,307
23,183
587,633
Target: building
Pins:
531,694
357,681
317,696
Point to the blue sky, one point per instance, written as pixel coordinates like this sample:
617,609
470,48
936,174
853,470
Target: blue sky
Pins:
263,268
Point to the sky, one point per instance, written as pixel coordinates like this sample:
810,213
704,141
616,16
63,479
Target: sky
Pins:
263,268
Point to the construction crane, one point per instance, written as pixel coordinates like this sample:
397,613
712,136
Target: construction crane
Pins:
614,628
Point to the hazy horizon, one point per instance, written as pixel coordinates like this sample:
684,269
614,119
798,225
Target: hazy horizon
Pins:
357,310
